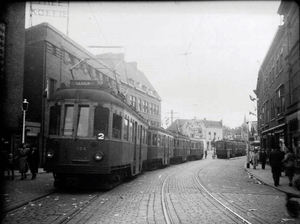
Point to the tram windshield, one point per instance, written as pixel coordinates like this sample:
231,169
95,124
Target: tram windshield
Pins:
68,124
83,121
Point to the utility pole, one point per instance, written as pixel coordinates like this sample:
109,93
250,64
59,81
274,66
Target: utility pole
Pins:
172,116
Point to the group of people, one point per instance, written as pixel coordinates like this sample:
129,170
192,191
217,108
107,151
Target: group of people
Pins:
279,160
26,158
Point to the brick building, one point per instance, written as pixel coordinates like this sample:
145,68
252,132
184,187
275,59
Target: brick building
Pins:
278,84
52,59
12,41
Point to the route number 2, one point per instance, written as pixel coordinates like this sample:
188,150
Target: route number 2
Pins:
100,136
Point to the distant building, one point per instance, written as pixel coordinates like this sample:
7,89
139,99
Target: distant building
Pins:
195,128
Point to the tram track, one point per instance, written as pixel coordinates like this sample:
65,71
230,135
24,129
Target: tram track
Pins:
233,211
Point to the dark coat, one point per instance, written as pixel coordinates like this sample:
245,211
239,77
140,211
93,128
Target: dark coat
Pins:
263,156
33,160
276,158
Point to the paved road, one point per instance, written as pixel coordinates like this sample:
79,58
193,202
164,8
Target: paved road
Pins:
138,201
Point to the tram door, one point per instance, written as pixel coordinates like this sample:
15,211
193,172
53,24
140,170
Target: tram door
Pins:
164,142
137,149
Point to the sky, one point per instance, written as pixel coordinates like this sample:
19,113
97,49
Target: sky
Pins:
202,57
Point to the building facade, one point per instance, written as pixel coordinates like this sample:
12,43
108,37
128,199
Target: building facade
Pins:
12,42
278,84
52,59
204,129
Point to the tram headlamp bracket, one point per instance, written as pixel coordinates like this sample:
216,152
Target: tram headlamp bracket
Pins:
50,154
99,156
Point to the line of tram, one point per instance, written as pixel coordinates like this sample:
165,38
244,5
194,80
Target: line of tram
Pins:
230,148
96,137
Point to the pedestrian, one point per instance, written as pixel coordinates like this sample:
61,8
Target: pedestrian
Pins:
4,162
33,161
255,157
275,160
11,166
23,153
263,158
290,163
206,152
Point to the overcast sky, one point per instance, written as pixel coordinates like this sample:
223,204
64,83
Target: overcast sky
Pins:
225,44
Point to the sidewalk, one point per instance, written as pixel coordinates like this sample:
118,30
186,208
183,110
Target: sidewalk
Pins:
265,176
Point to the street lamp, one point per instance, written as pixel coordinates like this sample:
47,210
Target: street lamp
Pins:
24,109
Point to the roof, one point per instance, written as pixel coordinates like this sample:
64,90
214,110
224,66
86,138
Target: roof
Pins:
178,123
129,73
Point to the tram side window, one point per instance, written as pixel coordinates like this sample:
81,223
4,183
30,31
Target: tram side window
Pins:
125,129
117,126
101,120
54,124
149,138
154,139
131,131
68,125
159,140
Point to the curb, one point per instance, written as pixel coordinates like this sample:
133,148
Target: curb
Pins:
265,183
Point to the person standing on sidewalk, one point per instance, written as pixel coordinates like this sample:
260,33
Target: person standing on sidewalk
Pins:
263,158
275,160
33,161
255,157
290,163
23,153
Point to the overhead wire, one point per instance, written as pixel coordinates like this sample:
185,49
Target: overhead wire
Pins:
190,44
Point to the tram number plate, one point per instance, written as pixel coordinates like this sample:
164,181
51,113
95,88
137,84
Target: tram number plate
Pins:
100,136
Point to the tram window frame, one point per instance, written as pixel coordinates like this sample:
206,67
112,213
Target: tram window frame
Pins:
131,131
125,129
68,127
149,137
154,139
82,126
100,113
54,120
117,126
159,140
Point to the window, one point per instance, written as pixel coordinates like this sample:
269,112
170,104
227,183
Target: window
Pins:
272,108
101,120
154,139
52,86
139,105
280,100
68,118
125,129
267,111
54,123
83,121
134,102
131,132
151,109
159,141
117,126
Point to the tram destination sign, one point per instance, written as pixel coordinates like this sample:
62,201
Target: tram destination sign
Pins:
83,83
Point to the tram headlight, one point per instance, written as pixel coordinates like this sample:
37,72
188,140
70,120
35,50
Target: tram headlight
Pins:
99,156
50,153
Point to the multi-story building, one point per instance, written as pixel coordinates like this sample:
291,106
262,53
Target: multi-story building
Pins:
195,128
278,84
12,42
52,59
140,93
